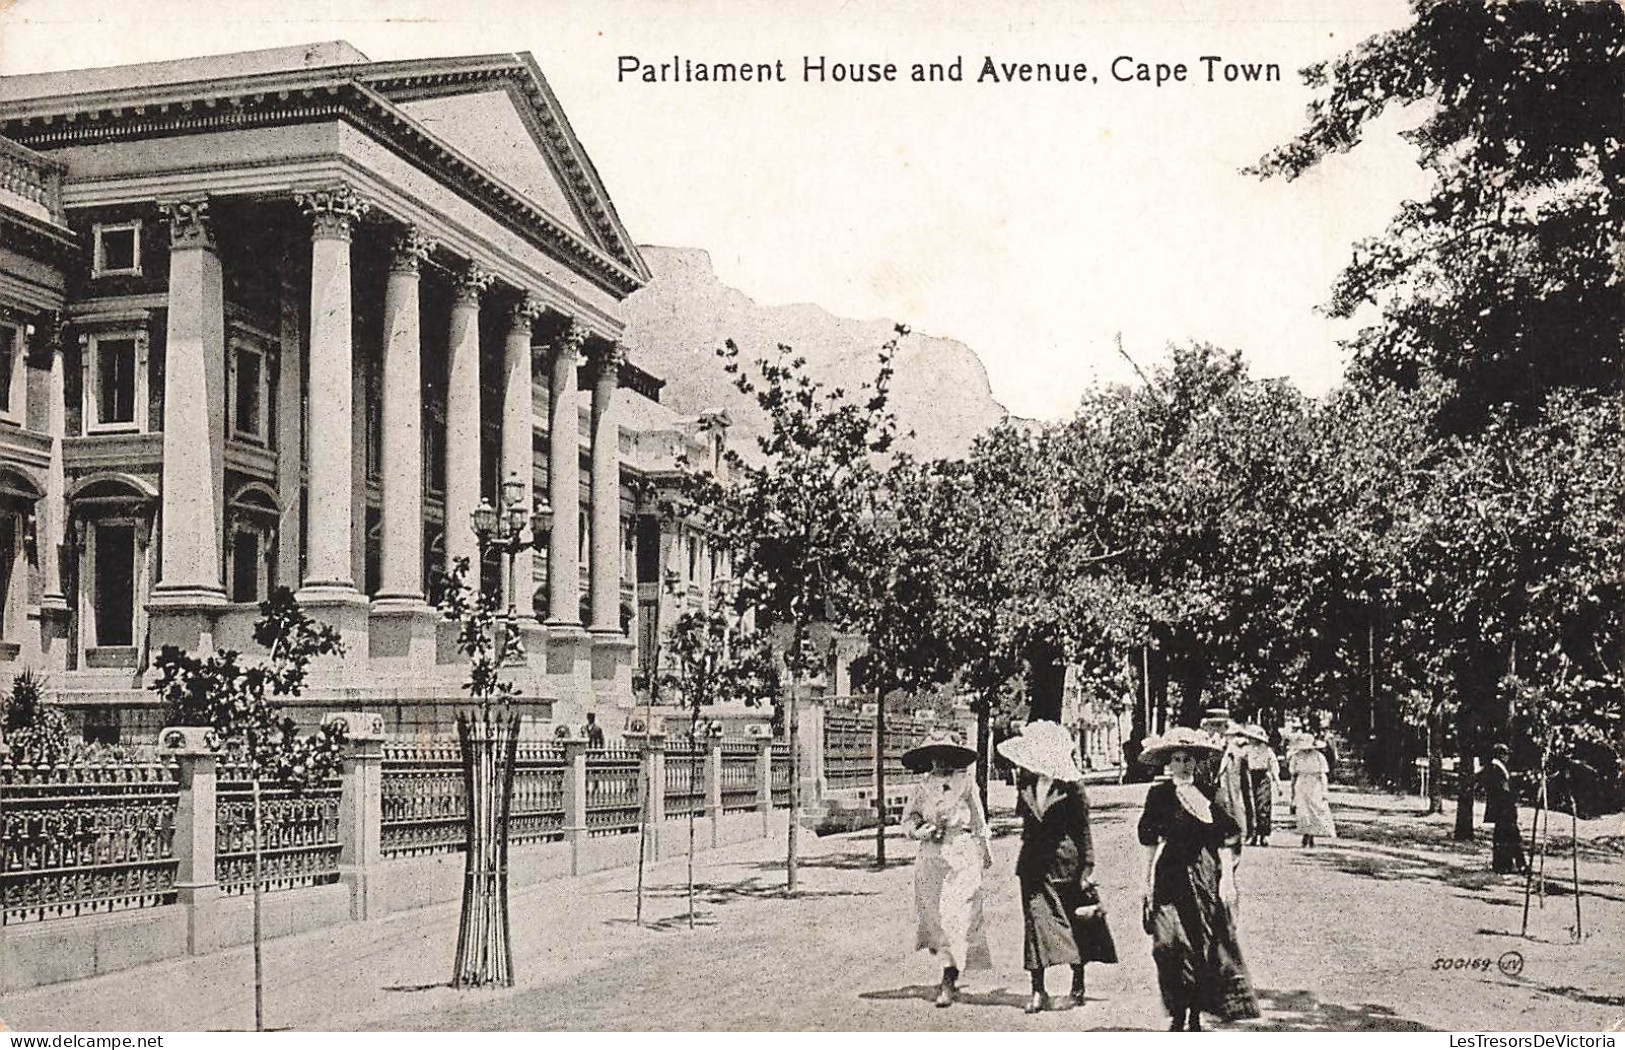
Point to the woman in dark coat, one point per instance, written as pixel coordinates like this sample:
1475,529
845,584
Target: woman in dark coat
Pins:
1064,923
1190,890
1501,810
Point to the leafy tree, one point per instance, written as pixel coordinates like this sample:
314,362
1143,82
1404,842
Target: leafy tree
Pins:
1507,278
799,516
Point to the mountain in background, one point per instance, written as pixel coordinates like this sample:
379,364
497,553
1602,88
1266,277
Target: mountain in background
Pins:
675,324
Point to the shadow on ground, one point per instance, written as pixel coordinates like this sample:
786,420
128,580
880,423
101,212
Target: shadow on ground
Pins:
1001,998
1302,1011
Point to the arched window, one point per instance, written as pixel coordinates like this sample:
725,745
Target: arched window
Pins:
112,519
251,524
18,497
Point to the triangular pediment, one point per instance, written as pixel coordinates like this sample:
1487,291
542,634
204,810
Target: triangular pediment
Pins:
488,128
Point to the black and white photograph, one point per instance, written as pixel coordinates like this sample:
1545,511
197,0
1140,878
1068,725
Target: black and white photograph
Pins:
888,516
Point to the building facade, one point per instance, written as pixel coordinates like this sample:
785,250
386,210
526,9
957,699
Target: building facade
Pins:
286,318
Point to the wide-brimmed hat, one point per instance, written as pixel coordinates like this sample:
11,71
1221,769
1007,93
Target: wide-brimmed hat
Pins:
1180,738
1303,742
1045,748
939,744
1252,731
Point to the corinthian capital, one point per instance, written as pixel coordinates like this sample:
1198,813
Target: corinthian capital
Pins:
570,341
470,282
409,250
607,359
523,311
189,223
333,211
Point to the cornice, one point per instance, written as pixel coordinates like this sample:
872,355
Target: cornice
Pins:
35,237
99,119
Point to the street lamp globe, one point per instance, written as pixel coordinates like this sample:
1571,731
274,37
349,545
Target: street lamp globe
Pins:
541,520
485,520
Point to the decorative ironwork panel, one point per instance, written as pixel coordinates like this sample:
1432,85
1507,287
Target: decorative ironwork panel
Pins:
614,791
86,839
424,804
299,840
739,777
685,780
536,813
849,749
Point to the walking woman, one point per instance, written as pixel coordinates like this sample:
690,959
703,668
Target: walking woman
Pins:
1264,772
945,816
1064,922
1308,767
1190,889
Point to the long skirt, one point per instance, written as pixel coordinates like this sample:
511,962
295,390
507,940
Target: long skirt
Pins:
1263,802
1054,934
1507,847
1193,940
1314,811
948,902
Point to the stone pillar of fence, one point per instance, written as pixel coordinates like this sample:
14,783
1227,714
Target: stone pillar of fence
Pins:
360,810
764,780
652,746
713,782
575,800
196,887
814,779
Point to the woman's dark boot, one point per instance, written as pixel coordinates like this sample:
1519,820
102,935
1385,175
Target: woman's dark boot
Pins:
1178,1023
1076,996
1195,1022
948,989
1040,999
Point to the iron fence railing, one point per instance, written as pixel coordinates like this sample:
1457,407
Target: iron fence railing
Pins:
299,840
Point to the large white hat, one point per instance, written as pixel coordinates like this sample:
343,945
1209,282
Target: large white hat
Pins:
1045,748
1180,738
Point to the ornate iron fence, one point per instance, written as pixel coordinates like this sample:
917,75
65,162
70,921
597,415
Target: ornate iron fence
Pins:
739,776
614,791
781,776
86,839
536,813
299,837
685,780
423,803
849,749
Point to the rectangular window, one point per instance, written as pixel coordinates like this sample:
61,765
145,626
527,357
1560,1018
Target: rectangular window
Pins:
117,249
114,581
11,373
245,567
116,382
248,407
8,563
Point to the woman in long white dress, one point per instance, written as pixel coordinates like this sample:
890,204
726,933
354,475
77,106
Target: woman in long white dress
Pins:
944,814
1308,769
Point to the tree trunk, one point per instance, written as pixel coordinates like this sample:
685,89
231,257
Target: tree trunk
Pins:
1435,758
1046,679
984,732
1466,774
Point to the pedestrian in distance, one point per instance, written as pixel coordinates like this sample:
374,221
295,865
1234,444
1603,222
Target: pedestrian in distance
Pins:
1190,898
1501,811
593,732
944,815
1063,919
1263,772
1306,762
1234,782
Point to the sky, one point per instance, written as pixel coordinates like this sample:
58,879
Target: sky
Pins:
1033,221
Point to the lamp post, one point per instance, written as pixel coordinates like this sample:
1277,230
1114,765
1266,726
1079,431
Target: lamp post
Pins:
488,740
671,582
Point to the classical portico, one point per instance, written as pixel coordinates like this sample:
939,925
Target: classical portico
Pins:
339,334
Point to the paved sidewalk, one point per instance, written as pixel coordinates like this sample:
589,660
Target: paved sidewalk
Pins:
1345,937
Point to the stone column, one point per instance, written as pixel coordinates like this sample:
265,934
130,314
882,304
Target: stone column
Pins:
463,421
196,887
575,800
54,600
290,455
764,778
606,491
360,810
518,439
401,579
652,747
564,483
194,414
328,570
